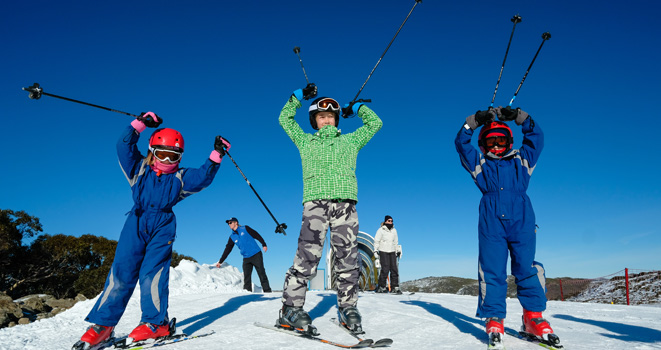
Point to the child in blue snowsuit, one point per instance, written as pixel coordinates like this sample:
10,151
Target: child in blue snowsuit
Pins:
144,249
506,217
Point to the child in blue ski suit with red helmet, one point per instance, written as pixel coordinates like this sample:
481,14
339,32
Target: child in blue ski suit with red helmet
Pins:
506,220
144,249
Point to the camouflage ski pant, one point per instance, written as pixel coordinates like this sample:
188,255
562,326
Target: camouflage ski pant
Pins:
318,216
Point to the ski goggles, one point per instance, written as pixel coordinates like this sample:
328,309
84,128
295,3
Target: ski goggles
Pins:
166,154
325,105
501,141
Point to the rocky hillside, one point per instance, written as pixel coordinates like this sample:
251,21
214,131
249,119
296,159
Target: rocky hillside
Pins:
644,288
451,285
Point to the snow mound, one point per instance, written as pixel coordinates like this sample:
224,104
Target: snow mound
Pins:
191,278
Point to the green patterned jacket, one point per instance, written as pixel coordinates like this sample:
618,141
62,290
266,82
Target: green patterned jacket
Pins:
329,158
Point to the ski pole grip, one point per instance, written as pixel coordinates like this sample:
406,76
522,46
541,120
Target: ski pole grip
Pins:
297,49
546,36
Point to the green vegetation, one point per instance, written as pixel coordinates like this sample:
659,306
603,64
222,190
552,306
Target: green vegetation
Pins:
59,265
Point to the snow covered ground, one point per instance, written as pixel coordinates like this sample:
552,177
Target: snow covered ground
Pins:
204,298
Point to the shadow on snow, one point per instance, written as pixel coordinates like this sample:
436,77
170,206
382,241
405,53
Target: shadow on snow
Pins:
197,322
624,332
464,324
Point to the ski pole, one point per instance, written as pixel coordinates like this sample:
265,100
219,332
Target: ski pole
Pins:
545,36
515,19
386,50
281,227
36,91
296,51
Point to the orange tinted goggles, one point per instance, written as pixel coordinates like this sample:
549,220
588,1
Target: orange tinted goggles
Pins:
328,103
501,141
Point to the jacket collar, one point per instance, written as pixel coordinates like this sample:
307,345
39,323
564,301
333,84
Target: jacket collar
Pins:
328,131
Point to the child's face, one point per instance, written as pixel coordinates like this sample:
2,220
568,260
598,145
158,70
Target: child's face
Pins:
325,118
496,149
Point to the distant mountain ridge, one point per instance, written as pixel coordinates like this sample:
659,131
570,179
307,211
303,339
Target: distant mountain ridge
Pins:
644,288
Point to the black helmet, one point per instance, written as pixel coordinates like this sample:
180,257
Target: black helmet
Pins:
323,104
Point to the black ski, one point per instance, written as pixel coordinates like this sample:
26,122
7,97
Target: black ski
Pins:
376,344
362,344
533,339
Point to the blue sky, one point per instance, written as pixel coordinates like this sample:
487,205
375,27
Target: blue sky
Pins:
212,67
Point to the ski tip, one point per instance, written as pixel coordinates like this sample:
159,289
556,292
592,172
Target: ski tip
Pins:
382,342
365,343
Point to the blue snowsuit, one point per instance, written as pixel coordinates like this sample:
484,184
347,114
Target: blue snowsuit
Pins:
506,222
144,249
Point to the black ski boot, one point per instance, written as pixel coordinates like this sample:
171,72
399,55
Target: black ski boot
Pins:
296,319
349,317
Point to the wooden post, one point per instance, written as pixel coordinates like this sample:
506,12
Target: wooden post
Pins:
626,279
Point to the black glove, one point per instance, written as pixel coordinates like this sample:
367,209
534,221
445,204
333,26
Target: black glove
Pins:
399,254
478,119
221,145
310,91
483,117
147,118
508,114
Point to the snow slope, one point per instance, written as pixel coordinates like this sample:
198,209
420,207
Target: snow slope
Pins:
205,298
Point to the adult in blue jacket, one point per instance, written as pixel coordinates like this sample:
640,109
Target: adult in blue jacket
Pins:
506,217
144,249
244,237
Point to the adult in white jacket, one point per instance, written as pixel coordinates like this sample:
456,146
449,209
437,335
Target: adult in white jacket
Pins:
387,250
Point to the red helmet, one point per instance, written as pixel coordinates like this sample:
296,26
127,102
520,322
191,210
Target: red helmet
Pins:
167,138
495,128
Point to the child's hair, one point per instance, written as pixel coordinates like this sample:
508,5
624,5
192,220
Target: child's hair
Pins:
150,158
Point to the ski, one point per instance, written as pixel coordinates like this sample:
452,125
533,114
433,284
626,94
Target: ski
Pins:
170,339
360,345
533,339
81,345
376,344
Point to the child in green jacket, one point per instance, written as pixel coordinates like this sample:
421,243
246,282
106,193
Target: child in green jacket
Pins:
330,194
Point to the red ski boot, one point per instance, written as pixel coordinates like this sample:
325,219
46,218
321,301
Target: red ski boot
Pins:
536,326
495,329
95,334
150,331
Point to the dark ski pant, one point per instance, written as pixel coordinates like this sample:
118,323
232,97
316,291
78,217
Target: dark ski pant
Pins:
256,261
318,216
388,266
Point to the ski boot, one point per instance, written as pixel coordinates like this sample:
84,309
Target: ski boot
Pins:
397,291
296,319
147,330
495,329
534,325
349,317
96,334
381,290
